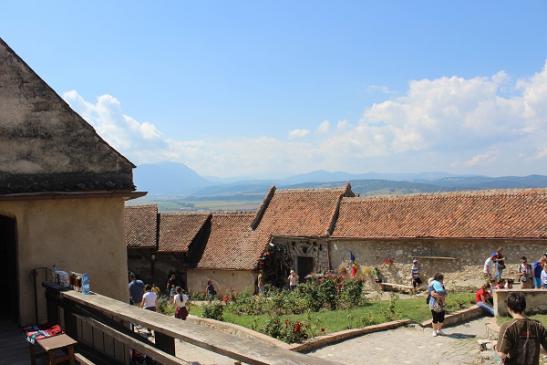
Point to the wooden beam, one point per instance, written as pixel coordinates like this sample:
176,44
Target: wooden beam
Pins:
246,350
149,350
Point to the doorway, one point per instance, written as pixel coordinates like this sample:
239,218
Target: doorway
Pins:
304,267
9,305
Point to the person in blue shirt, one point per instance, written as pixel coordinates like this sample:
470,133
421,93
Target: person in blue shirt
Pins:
437,298
136,290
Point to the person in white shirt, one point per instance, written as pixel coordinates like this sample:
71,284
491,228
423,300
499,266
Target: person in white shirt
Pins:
293,280
180,300
149,298
544,276
489,268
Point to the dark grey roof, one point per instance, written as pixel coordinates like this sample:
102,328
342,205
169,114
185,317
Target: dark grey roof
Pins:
45,146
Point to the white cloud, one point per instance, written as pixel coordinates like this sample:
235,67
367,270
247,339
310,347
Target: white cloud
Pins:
481,158
380,89
324,127
429,127
299,133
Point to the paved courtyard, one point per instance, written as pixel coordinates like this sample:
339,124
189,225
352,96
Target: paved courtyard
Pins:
412,345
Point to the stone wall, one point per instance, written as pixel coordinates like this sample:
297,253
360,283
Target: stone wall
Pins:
80,235
306,247
460,260
139,262
225,281
536,300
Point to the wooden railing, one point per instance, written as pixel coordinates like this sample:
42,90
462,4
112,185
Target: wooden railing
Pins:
102,325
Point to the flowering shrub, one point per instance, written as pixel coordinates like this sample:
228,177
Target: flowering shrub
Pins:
288,331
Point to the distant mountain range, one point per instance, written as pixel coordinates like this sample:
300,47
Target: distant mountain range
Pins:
177,182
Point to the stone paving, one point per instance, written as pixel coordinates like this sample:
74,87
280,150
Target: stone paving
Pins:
413,345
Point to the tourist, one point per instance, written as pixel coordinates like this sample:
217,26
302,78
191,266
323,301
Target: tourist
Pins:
484,299
293,280
210,291
171,283
180,301
520,339
537,268
500,263
149,298
489,269
136,290
156,290
437,298
525,274
544,276
415,275
260,283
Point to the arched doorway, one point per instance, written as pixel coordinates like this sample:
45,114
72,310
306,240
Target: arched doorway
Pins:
9,305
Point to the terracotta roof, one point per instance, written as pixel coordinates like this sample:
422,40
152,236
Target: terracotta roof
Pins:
177,231
140,226
291,212
227,247
478,214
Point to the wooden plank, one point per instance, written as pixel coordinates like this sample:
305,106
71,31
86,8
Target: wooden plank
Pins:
158,355
82,359
234,347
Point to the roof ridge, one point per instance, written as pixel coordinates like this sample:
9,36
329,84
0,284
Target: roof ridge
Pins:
141,206
188,214
333,189
449,194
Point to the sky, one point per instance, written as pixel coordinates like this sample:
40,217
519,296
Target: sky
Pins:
268,89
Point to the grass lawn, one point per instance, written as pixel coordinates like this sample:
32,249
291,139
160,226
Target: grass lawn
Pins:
372,313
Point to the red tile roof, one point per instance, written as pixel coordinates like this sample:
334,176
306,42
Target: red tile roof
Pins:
177,231
292,212
226,247
478,214
140,226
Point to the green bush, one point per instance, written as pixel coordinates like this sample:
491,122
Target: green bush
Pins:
214,310
165,306
351,294
198,295
288,331
328,293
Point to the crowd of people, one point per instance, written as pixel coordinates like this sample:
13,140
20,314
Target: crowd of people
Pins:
146,295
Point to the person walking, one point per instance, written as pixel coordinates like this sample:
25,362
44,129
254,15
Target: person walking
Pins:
149,298
525,274
484,299
180,301
520,339
415,279
210,291
136,290
437,299
293,280
260,283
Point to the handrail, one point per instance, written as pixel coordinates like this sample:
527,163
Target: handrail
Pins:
148,350
234,347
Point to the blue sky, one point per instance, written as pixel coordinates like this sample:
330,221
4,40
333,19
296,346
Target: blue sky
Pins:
270,88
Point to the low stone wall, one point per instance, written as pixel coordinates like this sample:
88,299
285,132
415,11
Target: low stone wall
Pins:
536,300
458,317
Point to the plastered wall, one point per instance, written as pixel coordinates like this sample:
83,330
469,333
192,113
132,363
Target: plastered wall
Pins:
225,281
81,235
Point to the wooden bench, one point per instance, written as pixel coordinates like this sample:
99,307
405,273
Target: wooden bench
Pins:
58,349
82,360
